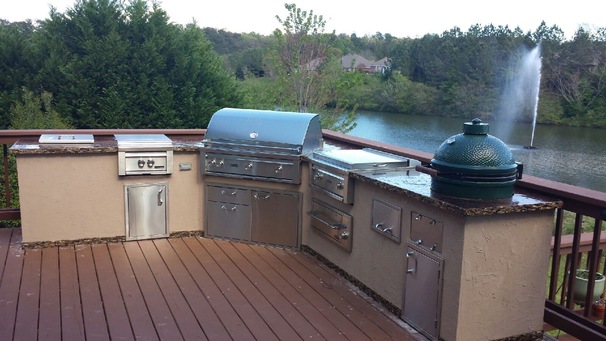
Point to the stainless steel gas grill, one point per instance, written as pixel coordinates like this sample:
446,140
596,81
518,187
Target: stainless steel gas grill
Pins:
258,144
144,154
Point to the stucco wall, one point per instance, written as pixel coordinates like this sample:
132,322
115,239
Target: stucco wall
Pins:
76,196
494,266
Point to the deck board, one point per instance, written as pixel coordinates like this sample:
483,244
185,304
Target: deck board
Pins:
49,323
179,307
113,303
136,307
9,286
249,315
72,321
93,314
163,320
29,296
201,309
188,288
219,303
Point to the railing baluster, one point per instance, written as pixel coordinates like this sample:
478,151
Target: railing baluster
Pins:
574,259
555,257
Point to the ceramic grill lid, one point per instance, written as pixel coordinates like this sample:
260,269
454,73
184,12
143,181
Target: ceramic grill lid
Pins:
475,165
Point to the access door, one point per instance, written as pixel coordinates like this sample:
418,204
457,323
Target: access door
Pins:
146,211
423,290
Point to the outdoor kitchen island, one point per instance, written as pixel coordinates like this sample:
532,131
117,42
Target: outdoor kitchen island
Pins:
489,277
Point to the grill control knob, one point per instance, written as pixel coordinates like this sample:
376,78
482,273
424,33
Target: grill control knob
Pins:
344,235
141,163
248,166
279,169
150,163
340,185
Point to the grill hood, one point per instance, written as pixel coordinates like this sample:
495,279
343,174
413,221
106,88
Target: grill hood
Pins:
246,127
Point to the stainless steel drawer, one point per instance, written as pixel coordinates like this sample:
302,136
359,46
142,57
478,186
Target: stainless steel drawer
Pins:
334,224
230,195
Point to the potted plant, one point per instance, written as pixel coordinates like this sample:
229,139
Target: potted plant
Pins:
580,286
598,308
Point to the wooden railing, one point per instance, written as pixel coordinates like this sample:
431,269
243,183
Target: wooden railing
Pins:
580,249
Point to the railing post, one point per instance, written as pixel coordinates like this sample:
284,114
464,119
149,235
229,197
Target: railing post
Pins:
555,260
7,187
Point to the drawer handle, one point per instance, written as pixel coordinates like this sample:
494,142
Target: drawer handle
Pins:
261,197
224,192
233,209
160,200
338,226
410,254
384,229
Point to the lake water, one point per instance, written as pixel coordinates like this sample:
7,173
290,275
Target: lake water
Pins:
571,155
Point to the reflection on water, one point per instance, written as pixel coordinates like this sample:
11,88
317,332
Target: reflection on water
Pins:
566,154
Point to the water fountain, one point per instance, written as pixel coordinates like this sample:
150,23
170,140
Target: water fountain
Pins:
520,98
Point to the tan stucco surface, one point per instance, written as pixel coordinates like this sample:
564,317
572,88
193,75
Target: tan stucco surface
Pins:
77,196
494,266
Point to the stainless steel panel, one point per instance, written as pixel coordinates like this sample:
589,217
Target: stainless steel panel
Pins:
422,297
426,232
333,182
227,220
66,139
281,170
386,219
361,159
143,142
146,211
258,127
335,225
232,195
145,163
275,217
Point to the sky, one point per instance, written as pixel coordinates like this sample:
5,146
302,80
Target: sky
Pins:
400,18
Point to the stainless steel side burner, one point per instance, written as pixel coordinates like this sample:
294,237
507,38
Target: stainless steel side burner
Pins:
144,154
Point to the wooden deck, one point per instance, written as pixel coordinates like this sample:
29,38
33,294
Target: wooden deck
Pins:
187,288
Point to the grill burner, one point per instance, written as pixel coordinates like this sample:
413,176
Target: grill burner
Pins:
330,169
144,154
259,144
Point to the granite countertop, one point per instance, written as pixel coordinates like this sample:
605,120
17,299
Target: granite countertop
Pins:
416,185
101,144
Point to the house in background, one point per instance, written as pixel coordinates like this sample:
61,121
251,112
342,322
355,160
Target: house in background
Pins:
355,62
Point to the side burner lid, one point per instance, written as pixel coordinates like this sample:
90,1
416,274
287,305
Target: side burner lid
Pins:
361,159
135,142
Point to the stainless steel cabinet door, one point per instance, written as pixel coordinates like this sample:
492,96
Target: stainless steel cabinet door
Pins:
146,211
423,290
275,218
228,220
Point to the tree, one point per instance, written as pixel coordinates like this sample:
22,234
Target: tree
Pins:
35,112
111,64
305,65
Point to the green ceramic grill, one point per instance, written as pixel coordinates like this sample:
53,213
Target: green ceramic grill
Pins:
474,165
